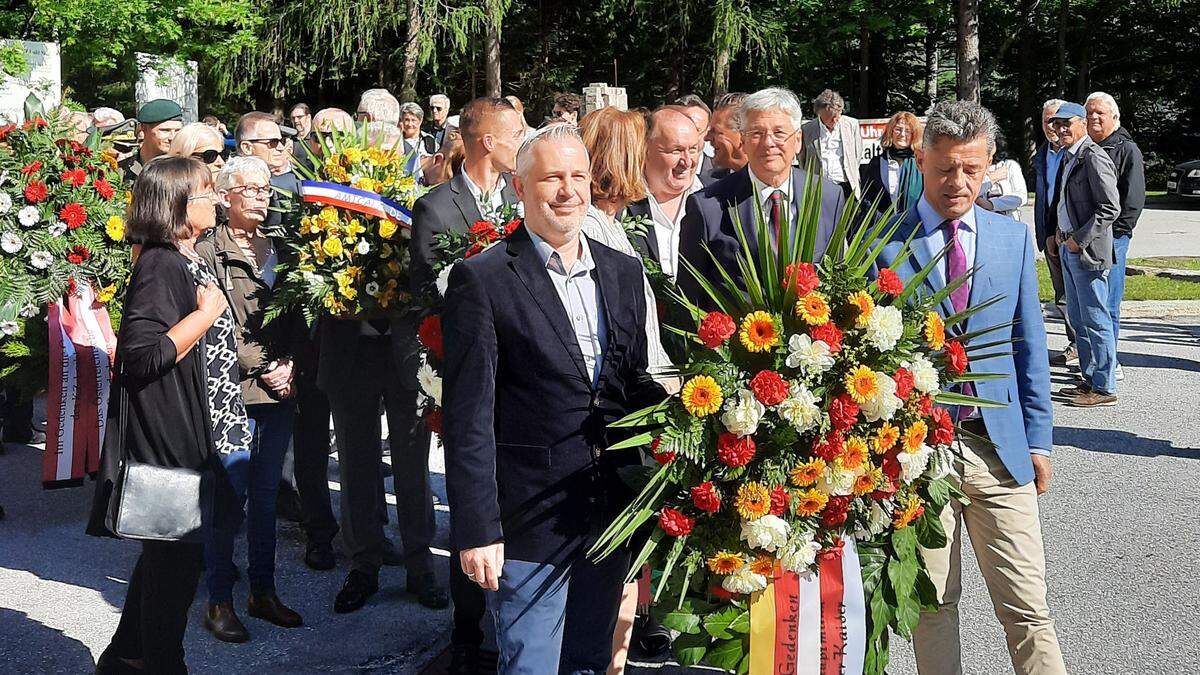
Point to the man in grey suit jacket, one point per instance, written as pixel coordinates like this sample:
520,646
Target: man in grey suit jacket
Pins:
769,121
832,145
1086,204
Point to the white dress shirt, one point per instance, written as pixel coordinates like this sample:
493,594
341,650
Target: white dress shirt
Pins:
892,168
1008,194
832,152
764,192
666,229
580,297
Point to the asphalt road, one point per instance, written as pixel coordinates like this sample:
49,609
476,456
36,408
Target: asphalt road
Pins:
1119,528
1169,227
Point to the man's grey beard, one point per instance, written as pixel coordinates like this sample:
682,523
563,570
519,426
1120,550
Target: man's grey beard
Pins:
569,226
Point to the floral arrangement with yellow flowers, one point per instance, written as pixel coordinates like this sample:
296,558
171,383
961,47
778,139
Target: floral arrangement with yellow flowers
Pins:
817,407
347,231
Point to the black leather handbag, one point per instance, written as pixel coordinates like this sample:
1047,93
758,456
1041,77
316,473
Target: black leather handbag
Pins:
152,502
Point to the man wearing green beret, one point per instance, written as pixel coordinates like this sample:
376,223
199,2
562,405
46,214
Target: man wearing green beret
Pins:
158,121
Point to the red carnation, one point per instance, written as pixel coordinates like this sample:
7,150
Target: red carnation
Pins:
734,451
79,255
889,486
925,405
769,388
843,412
36,122
31,168
73,214
889,282
6,130
512,226
715,329
943,432
890,465
35,192
104,189
781,499
660,457
828,333
430,335
956,357
74,177
904,383
433,418
706,497
804,275
484,233
835,511
674,523
830,447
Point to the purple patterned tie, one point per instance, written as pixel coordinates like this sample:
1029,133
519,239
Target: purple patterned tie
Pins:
956,266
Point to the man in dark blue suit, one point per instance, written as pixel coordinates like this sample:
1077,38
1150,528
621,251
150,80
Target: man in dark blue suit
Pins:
1004,473
545,347
769,121
1046,162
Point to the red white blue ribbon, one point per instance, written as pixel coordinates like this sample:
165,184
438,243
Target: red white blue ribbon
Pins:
354,199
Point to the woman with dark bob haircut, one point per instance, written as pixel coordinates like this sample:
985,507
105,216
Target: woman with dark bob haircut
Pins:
177,375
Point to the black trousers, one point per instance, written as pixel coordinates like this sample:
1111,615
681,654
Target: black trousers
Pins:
355,402
310,446
155,615
470,606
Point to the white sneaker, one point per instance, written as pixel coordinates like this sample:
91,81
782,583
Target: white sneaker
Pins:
1120,373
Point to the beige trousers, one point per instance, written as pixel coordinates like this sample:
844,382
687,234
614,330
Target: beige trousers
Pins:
1002,520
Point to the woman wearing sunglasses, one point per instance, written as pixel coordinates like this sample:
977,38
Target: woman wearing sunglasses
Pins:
200,141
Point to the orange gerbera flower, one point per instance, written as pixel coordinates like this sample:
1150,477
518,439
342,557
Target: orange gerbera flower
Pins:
935,331
702,396
912,509
764,564
861,384
759,332
865,305
808,473
810,502
753,501
813,308
725,562
854,453
915,435
887,437
866,482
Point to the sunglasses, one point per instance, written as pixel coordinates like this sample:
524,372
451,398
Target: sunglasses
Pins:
272,143
208,156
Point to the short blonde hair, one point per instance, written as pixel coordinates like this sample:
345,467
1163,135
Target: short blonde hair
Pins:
616,143
191,136
914,124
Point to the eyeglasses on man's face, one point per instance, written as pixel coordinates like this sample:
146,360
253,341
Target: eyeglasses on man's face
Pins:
779,135
272,143
252,191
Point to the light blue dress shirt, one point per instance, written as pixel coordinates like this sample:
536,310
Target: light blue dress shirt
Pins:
580,297
931,223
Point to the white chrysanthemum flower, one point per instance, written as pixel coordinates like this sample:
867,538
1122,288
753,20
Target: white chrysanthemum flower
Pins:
811,357
372,288
41,260
28,311
363,247
5,203
28,216
744,581
913,464
9,328
800,553
443,280
801,408
884,404
430,383
885,328
743,413
57,229
767,533
836,481
11,243
925,375
879,519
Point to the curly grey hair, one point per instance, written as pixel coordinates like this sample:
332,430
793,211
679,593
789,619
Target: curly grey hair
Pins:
380,106
962,121
552,132
828,100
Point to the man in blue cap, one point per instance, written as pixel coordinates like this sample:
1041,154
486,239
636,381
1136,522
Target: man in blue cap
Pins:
1086,204
158,122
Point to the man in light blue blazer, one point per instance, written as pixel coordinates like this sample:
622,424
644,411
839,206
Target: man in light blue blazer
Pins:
1002,477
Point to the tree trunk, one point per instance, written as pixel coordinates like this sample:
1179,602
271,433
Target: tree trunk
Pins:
720,83
1084,80
1064,15
864,69
1027,103
932,36
968,50
408,82
493,55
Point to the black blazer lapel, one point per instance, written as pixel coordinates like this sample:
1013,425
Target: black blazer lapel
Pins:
528,265
465,201
746,203
610,291
647,245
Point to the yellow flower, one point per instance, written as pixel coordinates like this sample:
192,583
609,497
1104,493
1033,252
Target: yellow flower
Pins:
810,502
332,247
813,308
128,197
701,396
764,564
759,332
725,562
935,331
854,453
387,228
352,155
886,438
865,304
866,482
107,293
328,215
375,157
354,228
753,501
914,436
861,384
808,473
907,511
368,184
115,228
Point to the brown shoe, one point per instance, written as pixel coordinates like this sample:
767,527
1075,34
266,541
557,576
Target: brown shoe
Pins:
224,623
1093,399
269,607
1075,390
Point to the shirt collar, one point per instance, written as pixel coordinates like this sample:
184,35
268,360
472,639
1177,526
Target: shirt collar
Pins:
931,220
1074,149
764,191
585,262
477,191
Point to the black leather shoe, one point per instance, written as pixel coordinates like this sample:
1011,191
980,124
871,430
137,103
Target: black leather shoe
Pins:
269,607
320,557
652,637
224,623
464,660
359,587
111,664
428,592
